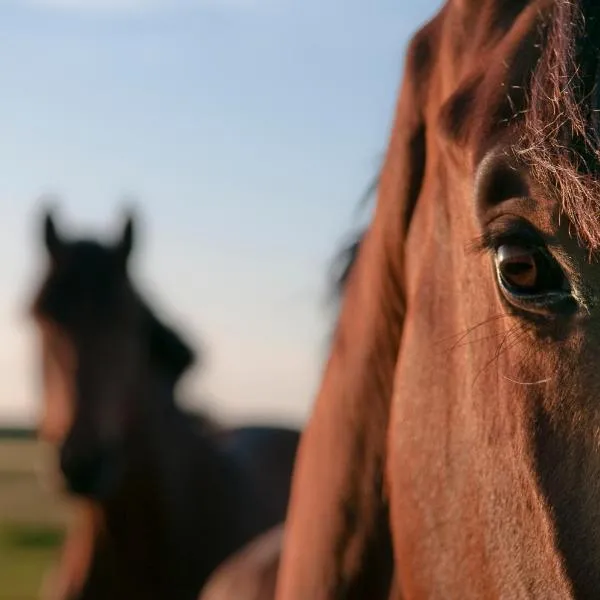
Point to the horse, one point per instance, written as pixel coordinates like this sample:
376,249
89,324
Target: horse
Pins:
164,496
453,451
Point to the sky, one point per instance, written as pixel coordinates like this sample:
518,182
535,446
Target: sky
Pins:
245,131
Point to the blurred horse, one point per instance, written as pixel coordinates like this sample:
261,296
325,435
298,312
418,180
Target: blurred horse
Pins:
166,497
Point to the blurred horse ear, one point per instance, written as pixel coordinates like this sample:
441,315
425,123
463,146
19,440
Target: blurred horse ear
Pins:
52,240
168,352
125,243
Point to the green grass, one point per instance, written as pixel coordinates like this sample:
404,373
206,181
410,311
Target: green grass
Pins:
27,551
31,522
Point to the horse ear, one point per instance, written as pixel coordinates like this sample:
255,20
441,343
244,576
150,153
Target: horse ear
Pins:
168,351
52,239
125,243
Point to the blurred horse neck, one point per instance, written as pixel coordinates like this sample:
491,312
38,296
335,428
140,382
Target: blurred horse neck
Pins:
172,518
161,446
138,516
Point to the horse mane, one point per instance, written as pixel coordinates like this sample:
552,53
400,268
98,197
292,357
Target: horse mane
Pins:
343,263
565,155
168,351
344,260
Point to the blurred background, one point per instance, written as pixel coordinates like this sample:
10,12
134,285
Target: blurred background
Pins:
245,131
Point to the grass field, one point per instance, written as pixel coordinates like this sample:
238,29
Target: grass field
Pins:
31,521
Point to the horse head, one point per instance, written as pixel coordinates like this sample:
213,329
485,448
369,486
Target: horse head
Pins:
457,421
101,347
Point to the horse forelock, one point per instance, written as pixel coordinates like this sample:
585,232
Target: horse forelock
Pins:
543,79
561,141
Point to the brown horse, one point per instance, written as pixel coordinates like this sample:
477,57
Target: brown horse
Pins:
454,446
167,497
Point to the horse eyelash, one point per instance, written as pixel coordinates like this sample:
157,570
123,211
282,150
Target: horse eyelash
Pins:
482,244
491,240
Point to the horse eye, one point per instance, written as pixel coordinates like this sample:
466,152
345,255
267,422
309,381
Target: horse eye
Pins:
528,270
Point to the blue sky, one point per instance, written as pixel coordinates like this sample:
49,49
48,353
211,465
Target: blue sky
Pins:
245,129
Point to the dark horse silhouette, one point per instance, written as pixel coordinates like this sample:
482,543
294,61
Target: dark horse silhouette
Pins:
166,496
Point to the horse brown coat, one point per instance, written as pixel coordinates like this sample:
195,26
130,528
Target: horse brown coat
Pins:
454,441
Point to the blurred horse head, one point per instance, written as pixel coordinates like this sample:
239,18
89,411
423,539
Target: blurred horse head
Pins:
101,349
167,496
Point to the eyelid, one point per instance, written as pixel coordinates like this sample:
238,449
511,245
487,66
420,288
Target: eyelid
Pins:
506,230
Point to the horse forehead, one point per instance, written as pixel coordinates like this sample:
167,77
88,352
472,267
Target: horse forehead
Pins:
87,267
85,256
486,55
86,281
496,13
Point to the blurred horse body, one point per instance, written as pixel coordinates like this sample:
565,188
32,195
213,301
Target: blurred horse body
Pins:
167,497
